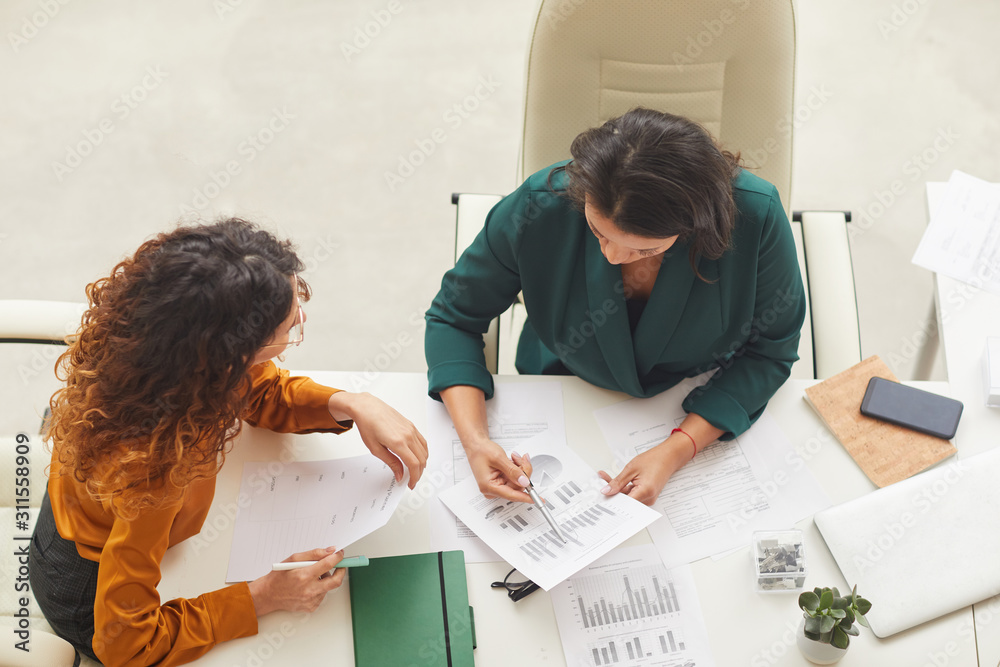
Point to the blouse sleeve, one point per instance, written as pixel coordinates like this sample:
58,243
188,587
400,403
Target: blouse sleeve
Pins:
737,394
132,627
287,404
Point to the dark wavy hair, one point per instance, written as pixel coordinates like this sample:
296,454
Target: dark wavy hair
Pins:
156,380
657,175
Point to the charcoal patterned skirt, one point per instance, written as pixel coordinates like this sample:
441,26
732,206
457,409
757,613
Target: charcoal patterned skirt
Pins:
63,582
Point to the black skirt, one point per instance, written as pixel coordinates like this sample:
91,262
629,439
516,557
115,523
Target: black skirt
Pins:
63,582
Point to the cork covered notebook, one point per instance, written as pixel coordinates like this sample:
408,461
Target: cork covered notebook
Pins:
886,453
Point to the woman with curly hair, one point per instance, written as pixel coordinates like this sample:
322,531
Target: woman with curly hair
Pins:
174,351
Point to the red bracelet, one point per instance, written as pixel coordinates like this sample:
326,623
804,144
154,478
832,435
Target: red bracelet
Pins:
679,430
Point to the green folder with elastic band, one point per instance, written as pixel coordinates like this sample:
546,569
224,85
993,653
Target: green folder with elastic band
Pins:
412,610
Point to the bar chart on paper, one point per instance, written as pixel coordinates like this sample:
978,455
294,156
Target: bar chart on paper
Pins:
643,648
580,528
617,602
634,603
592,523
628,609
518,413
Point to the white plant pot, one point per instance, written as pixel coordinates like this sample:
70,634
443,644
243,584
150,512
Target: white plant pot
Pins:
817,652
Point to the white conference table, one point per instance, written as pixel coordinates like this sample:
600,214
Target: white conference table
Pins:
744,627
966,316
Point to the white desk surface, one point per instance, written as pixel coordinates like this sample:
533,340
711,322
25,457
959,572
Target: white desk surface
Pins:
966,316
744,628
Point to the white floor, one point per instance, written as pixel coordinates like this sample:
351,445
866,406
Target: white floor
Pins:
162,97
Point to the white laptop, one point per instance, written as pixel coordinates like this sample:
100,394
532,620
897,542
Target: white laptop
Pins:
922,547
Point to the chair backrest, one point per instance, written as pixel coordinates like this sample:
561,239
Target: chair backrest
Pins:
27,321
728,64
24,321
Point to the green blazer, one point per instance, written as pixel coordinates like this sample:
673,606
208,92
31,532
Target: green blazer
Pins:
744,322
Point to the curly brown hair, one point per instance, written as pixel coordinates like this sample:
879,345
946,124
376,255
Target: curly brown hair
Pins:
156,379
657,175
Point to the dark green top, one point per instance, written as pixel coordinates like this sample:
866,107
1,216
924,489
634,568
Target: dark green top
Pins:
744,322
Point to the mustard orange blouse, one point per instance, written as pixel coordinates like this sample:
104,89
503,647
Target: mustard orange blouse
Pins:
131,626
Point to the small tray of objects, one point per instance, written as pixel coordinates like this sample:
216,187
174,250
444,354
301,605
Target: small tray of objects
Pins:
779,561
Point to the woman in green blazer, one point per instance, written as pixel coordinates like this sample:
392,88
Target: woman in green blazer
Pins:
650,257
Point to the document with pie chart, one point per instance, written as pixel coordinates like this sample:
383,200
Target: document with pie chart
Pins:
592,522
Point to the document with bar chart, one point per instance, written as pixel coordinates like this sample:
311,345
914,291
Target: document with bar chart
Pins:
592,523
517,412
627,608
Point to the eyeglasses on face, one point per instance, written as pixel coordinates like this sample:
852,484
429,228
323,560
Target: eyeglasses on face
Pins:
295,335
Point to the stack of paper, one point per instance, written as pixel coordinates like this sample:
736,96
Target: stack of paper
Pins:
714,503
517,412
287,508
592,522
963,238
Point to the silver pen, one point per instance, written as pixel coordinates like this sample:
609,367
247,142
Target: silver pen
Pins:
530,490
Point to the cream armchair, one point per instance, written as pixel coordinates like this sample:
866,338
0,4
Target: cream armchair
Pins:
728,64
44,322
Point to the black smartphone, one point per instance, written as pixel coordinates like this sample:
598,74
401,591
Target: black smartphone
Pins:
913,408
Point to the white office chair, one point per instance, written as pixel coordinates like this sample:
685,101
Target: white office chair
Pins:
43,322
729,66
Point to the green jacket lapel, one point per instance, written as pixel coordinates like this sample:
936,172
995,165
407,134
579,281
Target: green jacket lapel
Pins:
604,283
662,314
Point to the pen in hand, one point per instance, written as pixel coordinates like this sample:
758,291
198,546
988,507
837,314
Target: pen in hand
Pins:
530,490
353,561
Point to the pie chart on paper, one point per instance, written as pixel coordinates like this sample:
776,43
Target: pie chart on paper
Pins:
545,470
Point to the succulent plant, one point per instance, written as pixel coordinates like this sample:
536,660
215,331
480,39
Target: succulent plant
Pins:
830,618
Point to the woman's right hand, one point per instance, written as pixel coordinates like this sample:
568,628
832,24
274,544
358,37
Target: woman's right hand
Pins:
498,475
298,590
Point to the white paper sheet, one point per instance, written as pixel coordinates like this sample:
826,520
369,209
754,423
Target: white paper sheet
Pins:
962,239
714,503
593,523
628,609
286,508
517,412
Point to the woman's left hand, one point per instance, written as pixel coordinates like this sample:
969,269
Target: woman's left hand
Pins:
390,436
645,475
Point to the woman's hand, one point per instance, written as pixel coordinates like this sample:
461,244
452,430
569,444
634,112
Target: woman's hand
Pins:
499,476
298,590
645,475
390,436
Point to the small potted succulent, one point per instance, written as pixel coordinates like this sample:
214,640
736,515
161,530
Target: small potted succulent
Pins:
828,623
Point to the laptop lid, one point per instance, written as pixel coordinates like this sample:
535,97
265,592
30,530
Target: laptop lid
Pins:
922,547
